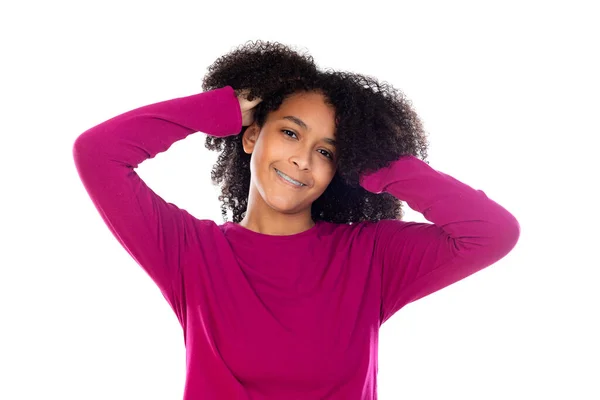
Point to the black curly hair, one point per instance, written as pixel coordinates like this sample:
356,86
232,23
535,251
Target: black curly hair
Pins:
375,125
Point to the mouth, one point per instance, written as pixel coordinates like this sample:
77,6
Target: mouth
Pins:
289,180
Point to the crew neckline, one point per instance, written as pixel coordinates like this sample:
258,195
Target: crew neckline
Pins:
237,228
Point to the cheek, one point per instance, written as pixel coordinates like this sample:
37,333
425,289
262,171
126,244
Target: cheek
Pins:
258,157
324,177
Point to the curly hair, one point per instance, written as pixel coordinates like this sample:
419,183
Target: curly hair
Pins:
375,125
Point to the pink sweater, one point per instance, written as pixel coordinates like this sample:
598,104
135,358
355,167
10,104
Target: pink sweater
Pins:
283,317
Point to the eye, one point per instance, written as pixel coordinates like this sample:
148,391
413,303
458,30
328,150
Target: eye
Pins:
326,154
292,134
285,130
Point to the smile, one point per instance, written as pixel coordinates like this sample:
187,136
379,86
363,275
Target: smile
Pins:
288,179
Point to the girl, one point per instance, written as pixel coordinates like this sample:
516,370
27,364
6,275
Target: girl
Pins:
286,300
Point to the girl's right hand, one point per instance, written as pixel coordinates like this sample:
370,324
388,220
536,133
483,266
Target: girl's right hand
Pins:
247,107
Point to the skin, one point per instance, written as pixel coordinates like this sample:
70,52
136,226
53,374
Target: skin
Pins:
303,153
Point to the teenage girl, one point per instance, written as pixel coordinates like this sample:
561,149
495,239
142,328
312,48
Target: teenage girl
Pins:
286,301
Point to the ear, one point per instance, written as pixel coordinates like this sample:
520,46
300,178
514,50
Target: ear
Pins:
250,137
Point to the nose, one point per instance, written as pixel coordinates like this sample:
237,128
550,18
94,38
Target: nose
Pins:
302,159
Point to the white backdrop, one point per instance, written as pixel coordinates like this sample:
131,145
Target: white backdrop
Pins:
507,91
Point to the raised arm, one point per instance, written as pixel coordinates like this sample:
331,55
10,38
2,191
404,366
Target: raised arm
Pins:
152,230
469,232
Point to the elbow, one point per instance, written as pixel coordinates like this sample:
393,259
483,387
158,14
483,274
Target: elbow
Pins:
79,149
507,237
512,232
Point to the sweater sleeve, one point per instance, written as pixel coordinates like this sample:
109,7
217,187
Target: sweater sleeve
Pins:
468,232
153,231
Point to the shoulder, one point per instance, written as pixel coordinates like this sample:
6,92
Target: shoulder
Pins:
205,229
368,228
203,224
383,233
364,230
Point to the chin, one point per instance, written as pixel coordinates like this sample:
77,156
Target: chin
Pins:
284,205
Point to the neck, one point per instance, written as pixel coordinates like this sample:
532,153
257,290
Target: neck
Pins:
261,218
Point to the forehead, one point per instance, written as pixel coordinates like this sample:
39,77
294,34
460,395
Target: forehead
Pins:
311,107
305,99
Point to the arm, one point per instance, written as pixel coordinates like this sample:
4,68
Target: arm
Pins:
469,232
152,230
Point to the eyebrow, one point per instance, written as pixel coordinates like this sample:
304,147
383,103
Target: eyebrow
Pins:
301,123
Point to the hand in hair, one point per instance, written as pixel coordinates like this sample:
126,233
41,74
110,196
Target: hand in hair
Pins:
247,107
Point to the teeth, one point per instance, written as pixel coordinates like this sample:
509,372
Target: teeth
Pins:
287,178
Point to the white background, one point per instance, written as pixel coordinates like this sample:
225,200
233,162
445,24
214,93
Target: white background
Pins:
508,92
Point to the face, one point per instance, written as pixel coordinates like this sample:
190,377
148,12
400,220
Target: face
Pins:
296,143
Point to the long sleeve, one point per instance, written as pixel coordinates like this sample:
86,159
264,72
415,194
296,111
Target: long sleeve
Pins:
152,230
468,232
